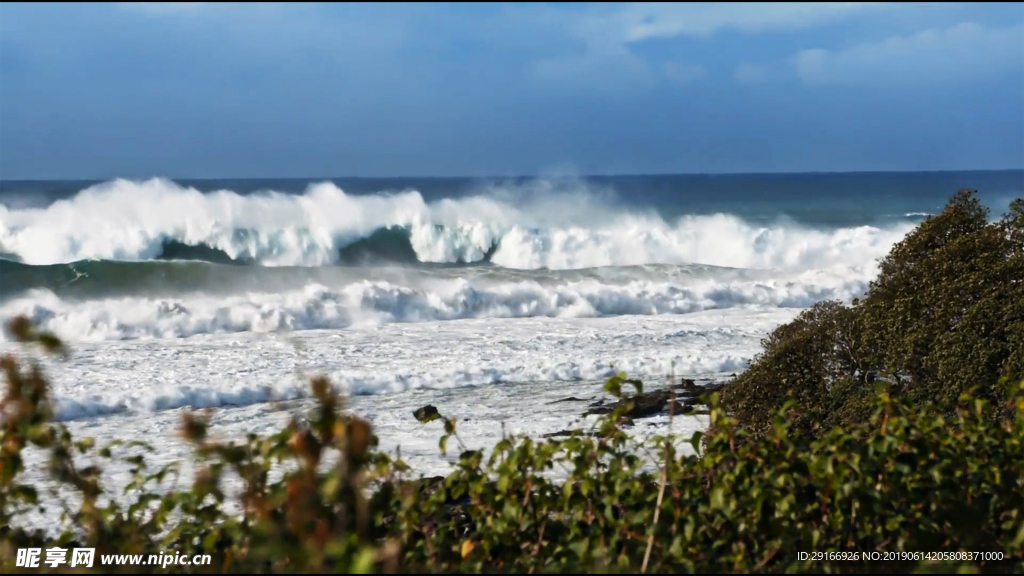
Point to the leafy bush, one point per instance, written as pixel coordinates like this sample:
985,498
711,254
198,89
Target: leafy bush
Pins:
946,313
308,520
909,479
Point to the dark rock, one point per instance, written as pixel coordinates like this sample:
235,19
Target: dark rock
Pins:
638,406
689,389
687,397
648,404
562,433
426,414
624,421
687,384
567,433
569,399
712,387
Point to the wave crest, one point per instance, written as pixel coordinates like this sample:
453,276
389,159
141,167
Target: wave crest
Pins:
316,306
123,220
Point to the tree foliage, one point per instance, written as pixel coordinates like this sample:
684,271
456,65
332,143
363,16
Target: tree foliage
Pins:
945,313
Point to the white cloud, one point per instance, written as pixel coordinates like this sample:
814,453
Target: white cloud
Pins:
684,72
936,54
607,61
655,19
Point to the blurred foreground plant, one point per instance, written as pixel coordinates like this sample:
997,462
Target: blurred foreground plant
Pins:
319,497
316,517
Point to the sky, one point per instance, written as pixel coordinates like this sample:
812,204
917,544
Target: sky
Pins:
212,90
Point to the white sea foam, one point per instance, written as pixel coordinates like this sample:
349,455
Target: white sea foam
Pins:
127,220
363,302
231,371
238,394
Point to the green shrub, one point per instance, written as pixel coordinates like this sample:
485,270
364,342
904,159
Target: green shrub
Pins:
909,479
946,313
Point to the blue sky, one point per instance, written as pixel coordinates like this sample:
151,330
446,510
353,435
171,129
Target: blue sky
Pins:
307,90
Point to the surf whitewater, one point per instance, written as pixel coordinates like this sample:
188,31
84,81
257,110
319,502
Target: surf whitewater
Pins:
126,260
158,219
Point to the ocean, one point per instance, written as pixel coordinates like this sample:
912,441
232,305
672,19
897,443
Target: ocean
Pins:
488,298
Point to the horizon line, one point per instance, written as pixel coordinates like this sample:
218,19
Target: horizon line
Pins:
534,176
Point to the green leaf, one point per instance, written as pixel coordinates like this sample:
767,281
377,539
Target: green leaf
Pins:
614,385
363,563
695,439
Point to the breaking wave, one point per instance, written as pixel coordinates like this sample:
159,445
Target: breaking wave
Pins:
316,306
158,219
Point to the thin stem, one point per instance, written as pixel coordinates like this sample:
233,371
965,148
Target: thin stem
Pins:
664,474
